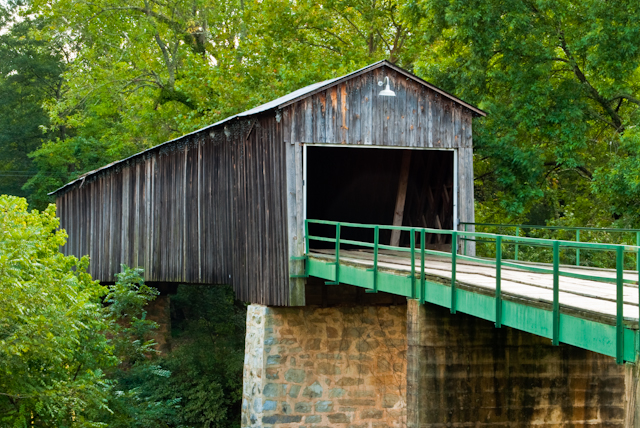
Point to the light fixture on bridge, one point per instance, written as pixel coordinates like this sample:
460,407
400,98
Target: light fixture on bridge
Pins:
386,92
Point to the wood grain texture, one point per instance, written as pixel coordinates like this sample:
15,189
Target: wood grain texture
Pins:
209,211
224,205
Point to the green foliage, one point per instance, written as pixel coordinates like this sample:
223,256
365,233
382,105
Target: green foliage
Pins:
53,350
559,80
59,345
30,71
198,383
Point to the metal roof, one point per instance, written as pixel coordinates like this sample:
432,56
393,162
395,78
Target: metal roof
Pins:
282,102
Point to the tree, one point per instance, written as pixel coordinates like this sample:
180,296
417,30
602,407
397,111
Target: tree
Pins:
30,74
58,342
559,80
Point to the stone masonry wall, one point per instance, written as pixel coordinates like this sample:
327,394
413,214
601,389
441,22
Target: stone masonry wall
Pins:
320,367
464,372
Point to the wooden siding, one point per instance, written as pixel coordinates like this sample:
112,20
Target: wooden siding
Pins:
351,112
225,204
209,209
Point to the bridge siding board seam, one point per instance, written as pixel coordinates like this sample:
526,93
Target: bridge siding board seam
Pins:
574,331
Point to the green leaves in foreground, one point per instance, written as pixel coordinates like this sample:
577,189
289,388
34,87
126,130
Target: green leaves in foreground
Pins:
57,340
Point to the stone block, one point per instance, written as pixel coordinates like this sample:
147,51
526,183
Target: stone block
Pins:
295,375
338,418
371,414
312,344
302,407
313,419
336,393
281,419
312,391
272,374
294,391
269,405
273,360
338,345
349,381
327,369
390,400
322,356
324,406
286,408
366,345
274,390
332,333
356,402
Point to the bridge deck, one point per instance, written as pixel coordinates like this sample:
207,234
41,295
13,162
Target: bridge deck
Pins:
592,298
586,316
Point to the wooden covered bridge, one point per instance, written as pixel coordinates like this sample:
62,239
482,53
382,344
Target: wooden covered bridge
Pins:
346,186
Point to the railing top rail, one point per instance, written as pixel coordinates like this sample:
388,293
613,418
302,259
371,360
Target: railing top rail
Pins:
532,226
514,239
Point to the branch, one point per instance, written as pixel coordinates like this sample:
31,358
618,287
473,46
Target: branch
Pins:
627,97
617,121
321,46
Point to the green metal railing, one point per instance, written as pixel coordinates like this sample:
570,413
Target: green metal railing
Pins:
573,230
419,292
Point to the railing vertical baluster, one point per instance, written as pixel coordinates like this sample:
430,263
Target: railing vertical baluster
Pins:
517,246
578,248
376,242
638,269
423,288
337,280
619,304
498,281
306,236
454,254
465,240
412,243
555,338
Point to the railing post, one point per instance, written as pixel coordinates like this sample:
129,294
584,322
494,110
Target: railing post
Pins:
517,245
336,281
638,269
423,288
555,339
376,242
465,239
454,254
619,304
578,248
498,281
412,243
306,236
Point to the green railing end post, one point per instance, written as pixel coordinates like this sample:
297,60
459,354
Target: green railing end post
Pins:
454,253
412,244
423,289
306,236
376,242
619,304
498,297
555,339
517,246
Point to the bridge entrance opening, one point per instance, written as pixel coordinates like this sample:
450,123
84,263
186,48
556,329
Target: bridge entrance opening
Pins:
384,186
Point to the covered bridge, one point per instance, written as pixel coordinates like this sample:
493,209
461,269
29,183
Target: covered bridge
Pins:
227,203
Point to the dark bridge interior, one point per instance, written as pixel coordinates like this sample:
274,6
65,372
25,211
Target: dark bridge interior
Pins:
360,185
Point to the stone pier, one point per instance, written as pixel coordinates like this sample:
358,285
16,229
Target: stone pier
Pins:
335,366
394,365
